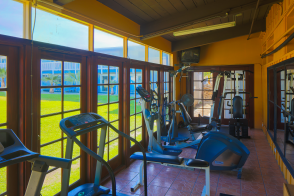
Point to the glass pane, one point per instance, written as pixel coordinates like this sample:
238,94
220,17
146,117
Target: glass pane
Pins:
138,75
207,94
3,73
71,114
132,123
208,85
153,55
207,103
198,85
132,76
50,100
72,73
132,91
197,112
102,74
114,75
138,120
137,94
133,135
197,75
197,94
226,106
3,179
103,111
165,59
139,134
3,107
136,51
75,171
206,112
108,44
50,72
112,133
282,85
132,107
52,183
50,130
11,13
230,84
151,76
102,94
53,150
227,114
113,112
138,106
113,93
113,149
71,98
54,29
155,76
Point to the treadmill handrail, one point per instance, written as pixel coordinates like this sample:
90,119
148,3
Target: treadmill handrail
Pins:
72,134
53,161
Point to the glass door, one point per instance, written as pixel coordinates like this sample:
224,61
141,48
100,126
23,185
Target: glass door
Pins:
9,78
61,89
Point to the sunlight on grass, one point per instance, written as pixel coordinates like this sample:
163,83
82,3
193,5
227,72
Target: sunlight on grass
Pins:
52,183
3,107
2,180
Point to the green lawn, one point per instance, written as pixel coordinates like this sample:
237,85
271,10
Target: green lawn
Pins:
49,131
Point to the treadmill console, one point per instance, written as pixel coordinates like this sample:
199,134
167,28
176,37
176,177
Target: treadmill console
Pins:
143,93
81,119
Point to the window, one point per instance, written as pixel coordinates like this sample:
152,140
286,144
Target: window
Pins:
135,107
282,76
153,55
165,58
60,98
3,115
202,93
154,85
54,29
11,22
166,92
108,44
136,51
108,106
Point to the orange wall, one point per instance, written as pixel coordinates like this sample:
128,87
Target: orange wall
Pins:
278,23
99,12
235,51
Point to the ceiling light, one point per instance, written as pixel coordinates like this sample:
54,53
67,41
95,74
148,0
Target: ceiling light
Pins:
204,29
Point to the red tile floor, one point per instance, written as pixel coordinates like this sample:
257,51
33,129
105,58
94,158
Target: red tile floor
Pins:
261,175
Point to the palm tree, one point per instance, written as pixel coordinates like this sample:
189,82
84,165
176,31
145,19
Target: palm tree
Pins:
53,79
2,76
74,78
112,86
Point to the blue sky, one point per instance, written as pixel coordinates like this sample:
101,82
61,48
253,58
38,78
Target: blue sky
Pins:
11,18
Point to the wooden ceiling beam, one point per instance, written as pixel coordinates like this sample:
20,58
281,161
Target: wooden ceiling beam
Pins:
187,18
218,35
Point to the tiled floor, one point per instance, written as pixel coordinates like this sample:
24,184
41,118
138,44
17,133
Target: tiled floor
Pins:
261,175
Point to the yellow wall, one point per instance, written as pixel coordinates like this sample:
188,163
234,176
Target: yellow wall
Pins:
99,12
235,51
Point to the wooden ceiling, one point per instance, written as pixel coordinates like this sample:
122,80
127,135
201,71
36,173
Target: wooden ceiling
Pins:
163,17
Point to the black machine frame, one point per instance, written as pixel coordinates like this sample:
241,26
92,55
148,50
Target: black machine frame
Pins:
275,107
